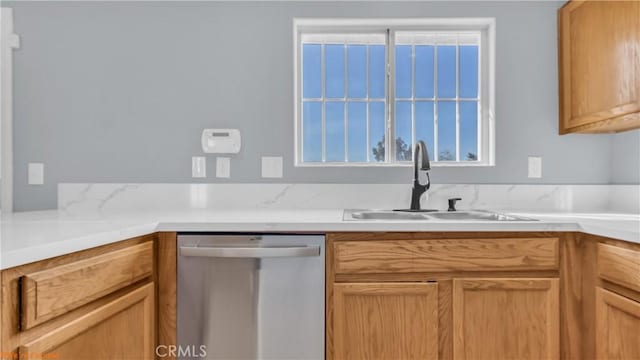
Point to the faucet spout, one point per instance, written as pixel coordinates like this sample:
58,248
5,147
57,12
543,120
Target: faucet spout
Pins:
420,162
421,153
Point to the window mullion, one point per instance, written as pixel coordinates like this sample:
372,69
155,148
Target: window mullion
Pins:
367,104
457,97
346,104
299,112
435,100
482,139
413,102
390,152
324,92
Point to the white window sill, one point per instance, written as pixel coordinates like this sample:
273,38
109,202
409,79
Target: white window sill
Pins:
390,165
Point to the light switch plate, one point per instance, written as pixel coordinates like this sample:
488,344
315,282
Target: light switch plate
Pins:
198,167
35,174
223,167
272,166
535,167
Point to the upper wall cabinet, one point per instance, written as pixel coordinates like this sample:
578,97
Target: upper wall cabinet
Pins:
599,63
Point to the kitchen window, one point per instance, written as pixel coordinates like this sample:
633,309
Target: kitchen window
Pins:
368,89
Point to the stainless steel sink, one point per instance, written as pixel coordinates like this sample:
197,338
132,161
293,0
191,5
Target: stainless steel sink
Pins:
389,215
476,215
382,215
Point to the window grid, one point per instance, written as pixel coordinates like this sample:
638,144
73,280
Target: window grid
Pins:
457,96
389,106
322,89
436,99
390,88
367,100
413,104
345,109
368,140
435,104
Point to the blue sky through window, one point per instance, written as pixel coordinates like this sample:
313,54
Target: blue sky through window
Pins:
377,66
334,139
421,73
334,73
357,141
446,130
357,70
424,71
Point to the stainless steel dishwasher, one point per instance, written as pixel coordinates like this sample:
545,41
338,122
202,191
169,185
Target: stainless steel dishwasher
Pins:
250,296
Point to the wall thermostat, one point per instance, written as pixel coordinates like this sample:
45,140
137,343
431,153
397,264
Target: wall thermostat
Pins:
221,141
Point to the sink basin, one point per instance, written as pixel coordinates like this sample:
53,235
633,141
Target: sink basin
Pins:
382,215
476,215
388,215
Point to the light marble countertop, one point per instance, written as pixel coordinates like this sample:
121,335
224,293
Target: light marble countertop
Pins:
33,236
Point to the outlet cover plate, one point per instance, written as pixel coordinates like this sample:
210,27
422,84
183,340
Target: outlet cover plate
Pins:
35,175
198,167
223,167
272,166
535,167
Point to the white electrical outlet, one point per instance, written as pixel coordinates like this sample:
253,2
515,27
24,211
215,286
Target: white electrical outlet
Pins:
35,174
535,167
272,166
223,167
198,167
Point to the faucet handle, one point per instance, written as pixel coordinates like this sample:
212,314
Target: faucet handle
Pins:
452,204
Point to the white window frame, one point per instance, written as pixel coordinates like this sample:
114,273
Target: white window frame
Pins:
8,43
486,27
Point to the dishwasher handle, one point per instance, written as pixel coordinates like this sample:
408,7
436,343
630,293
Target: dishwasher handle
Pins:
249,252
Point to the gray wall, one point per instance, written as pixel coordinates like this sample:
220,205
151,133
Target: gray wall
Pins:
119,92
625,158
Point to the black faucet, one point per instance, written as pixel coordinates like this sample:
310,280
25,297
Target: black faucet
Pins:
452,204
420,153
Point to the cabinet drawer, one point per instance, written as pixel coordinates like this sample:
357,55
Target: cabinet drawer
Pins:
55,291
424,256
619,265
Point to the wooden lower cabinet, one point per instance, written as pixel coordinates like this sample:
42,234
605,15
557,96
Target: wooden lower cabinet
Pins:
508,318
443,296
492,318
93,304
617,326
386,320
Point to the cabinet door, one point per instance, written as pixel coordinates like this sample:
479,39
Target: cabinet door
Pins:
505,319
599,57
617,326
386,321
121,329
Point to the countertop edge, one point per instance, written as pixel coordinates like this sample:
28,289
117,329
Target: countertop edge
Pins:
70,245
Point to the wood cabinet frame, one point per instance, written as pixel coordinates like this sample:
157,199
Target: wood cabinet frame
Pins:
167,290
